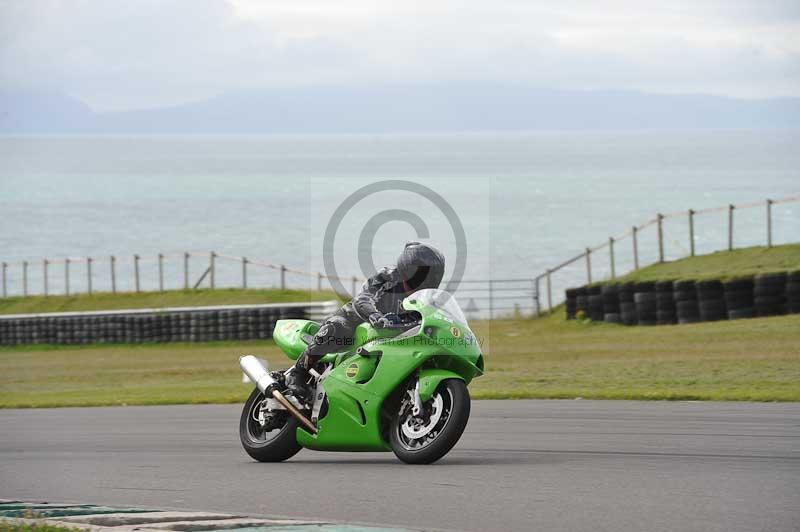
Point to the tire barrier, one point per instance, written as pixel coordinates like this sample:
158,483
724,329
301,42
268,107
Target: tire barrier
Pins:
739,298
595,303
644,296
711,300
666,313
793,292
627,306
199,324
611,311
582,300
685,295
571,303
770,294
688,301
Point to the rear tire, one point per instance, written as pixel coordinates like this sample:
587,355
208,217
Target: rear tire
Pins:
455,402
266,446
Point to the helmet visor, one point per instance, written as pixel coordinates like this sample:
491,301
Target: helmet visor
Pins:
423,277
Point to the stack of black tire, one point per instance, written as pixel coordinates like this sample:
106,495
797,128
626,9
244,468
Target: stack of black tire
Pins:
684,294
665,303
571,303
582,301
770,294
793,292
627,306
183,326
711,300
739,299
668,302
645,298
595,311
611,310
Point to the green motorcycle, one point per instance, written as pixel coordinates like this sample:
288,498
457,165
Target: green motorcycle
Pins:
402,388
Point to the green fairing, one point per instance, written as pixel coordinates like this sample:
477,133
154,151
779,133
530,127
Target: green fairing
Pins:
429,380
291,336
288,334
359,385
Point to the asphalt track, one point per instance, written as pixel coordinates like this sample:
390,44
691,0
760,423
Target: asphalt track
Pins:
521,465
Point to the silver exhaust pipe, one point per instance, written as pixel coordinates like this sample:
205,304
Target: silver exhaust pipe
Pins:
256,372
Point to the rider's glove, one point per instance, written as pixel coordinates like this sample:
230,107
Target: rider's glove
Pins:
381,321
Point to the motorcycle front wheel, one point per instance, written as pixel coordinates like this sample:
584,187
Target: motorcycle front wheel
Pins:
426,438
274,442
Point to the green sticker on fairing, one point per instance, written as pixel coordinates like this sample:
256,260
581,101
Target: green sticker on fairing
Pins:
352,370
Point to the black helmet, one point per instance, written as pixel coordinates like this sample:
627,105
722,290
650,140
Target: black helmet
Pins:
421,266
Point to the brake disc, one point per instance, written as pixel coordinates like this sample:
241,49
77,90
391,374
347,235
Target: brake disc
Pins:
414,428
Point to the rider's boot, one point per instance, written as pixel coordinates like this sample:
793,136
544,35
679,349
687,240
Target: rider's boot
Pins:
297,379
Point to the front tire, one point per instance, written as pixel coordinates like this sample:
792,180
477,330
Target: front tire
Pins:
275,445
425,440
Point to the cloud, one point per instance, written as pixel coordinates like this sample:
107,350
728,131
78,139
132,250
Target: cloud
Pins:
148,53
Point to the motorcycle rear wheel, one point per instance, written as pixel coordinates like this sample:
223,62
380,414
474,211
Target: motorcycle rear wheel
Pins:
266,445
426,440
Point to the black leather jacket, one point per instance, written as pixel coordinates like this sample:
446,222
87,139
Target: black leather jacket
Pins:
382,293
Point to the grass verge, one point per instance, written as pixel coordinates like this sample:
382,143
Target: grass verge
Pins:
19,526
743,360
749,360
723,264
171,298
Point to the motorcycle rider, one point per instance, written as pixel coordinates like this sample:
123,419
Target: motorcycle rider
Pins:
419,266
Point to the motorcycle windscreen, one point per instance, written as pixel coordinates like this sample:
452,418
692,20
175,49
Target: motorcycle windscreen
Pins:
442,301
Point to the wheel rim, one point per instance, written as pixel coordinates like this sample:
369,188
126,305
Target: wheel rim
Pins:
256,432
415,433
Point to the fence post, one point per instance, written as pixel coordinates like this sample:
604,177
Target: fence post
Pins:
244,272
160,272
89,275
283,277
611,255
25,278
769,223
536,295
635,249
319,282
549,292
730,226
45,262
113,274
66,276
491,300
211,268
660,237
5,287
588,265
691,231
136,271
185,270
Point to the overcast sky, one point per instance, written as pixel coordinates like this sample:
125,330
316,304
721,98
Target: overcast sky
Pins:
120,54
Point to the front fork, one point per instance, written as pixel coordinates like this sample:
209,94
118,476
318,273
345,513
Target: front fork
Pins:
417,406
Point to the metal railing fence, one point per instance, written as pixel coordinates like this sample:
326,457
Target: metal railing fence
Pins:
550,296
91,271
480,297
488,298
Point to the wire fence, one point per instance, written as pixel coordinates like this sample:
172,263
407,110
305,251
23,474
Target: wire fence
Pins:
549,287
164,271
211,270
481,297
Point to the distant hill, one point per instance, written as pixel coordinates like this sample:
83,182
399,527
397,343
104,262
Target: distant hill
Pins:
42,112
401,108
